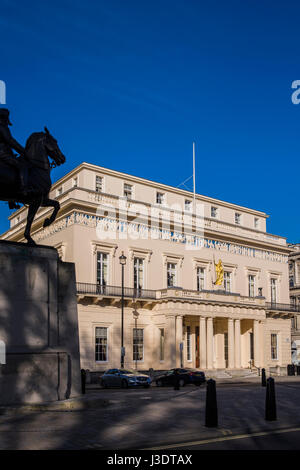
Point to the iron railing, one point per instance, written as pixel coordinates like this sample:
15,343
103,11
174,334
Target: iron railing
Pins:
114,291
284,307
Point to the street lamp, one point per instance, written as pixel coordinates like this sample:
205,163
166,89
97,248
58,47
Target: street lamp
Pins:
122,260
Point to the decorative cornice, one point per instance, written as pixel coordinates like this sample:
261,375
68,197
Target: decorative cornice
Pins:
106,225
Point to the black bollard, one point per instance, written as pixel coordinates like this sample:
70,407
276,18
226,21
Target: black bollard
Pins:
211,410
270,414
263,378
83,378
176,380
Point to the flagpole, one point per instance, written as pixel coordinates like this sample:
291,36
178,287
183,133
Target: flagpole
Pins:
194,180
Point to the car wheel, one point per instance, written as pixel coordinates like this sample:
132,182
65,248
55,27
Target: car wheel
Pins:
181,382
146,386
124,383
159,383
103,384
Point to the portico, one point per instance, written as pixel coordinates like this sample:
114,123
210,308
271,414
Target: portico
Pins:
218,342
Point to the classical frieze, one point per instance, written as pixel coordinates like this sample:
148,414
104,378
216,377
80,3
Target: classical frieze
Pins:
109,229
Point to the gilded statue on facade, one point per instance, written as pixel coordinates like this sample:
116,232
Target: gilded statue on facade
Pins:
219,273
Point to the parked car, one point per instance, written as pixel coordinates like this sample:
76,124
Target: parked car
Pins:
186,376
124,378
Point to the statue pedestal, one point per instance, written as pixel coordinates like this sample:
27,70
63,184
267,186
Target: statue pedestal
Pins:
38,324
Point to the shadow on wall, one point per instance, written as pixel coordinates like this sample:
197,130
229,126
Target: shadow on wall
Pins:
38,323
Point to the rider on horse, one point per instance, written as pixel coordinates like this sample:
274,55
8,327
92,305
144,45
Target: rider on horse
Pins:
7,143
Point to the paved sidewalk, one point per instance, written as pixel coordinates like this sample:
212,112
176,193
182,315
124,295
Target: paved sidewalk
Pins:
137,419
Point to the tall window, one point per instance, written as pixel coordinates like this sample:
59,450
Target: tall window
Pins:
75,182
99,184
200,279
160,198
188,343
161,344
214,212
274,346
256,222
251,284
128,190
291,271
138,273
227,281
101,352
102,268
237,218
138,344
171,274
273,291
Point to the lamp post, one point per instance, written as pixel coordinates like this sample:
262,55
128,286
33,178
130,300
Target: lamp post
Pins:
122,260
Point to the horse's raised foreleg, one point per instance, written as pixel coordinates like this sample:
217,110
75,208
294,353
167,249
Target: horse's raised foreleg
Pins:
50,203
33,208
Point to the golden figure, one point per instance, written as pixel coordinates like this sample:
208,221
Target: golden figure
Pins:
219,274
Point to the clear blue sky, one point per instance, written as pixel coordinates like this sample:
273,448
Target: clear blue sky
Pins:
130,84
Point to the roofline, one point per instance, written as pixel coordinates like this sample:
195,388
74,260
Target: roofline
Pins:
137,179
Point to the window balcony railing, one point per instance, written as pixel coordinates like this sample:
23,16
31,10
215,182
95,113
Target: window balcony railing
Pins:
114,291
284,307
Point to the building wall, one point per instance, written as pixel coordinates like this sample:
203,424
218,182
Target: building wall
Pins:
243,250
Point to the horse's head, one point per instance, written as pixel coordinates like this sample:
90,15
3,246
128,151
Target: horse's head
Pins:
53,149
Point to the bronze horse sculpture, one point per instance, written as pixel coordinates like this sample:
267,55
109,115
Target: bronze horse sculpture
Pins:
39,146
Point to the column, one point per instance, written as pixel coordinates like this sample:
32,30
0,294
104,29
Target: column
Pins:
256,341
237,341
230,344
178,340
202,341
170,348
209,341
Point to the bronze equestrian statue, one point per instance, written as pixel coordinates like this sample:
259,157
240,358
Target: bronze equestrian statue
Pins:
26,179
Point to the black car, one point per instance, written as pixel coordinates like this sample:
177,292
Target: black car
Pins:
185,376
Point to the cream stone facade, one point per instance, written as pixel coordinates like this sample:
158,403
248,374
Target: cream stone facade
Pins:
294,270
174,314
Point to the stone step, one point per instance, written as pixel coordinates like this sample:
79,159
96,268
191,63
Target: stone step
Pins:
229,374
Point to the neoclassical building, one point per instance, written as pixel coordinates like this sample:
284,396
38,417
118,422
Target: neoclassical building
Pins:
294,270
174,314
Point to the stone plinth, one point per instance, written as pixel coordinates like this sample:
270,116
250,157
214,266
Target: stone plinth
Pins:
39,325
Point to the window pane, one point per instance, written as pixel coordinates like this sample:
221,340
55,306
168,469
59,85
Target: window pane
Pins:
251,281
138,273
99,184
273,291
102,268
188,205
127,190
160,198
101,344
138,344
227,281
274,346
162,344
213,212
237,218
200,278
171,275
